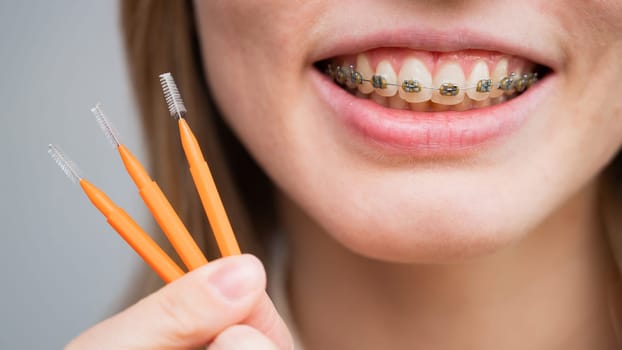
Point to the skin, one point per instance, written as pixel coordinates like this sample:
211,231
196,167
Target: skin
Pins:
501,247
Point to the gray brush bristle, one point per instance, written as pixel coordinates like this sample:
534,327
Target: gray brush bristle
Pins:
109,130
176,106
66,165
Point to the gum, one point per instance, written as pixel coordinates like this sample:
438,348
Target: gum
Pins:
433,60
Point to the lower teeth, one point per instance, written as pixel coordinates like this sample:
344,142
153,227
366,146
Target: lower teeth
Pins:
512,86
429,106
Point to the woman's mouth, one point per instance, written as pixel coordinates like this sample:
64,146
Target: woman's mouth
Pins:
431,103
431,82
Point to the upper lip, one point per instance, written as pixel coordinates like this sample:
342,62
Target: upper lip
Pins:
430,38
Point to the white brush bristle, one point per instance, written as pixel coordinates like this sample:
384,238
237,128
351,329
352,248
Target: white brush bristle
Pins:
109,130
173,99
66,165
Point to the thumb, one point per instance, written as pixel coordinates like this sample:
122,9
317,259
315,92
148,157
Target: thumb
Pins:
241,338
193,310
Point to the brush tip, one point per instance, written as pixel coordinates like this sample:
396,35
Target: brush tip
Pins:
66,165
109,130
175,103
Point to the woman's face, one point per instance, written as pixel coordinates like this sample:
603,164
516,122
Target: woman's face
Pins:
420,176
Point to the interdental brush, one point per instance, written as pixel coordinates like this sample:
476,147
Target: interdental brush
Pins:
199,169
156,201
129,230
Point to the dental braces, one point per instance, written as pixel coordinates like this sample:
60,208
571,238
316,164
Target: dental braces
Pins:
351,78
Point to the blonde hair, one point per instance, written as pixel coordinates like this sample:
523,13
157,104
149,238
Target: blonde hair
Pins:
611,206
160,36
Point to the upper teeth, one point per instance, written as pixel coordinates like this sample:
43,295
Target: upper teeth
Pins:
413,69
481,79
415,83
386,74
449,78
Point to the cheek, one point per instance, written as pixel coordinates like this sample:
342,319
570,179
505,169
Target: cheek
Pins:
254,57
585,127
594,23
255,35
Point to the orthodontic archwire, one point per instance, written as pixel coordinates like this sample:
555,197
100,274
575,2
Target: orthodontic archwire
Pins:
349,77
127,228
152,195
201,174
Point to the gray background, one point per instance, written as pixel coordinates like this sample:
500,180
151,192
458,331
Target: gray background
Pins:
62,268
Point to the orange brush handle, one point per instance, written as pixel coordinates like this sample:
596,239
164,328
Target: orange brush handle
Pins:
129,230
208,193
163,212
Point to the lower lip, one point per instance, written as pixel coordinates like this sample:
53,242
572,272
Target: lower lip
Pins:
429,133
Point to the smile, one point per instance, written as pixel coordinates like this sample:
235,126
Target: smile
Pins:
432,103
461,80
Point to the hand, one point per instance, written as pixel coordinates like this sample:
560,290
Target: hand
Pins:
222,305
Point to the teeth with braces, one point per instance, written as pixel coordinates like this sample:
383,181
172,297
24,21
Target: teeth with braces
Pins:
411,86
448,89
379,82
350,77
484,85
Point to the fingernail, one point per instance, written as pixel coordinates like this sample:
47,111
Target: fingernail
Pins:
237,277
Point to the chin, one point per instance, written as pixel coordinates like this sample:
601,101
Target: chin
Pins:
418,226
427,242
